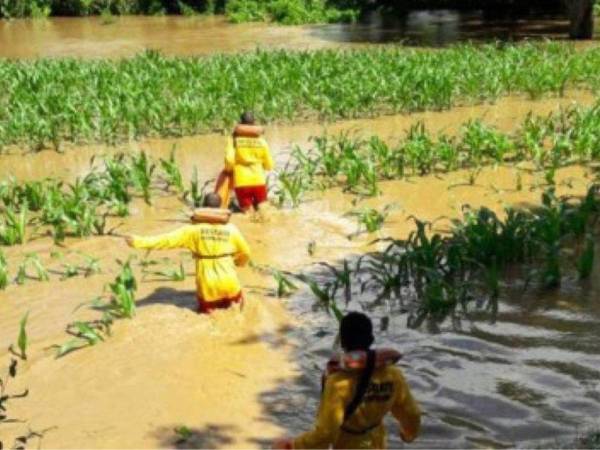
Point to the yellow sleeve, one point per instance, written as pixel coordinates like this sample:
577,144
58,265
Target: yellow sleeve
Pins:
267,159
242,250
406,410
329,420
229,155
180,238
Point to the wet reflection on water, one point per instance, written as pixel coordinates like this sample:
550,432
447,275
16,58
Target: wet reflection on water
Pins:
530,378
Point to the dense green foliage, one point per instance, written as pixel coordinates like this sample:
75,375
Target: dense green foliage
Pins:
43,8
288,12
282,11
46,102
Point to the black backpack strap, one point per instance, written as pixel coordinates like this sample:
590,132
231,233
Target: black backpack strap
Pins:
362,386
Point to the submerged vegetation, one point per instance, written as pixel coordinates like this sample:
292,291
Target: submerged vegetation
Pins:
433,276
117,303
358,165
84,207
48,102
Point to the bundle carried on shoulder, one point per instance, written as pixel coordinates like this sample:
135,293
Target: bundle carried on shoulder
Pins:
243,130
357,360
210,215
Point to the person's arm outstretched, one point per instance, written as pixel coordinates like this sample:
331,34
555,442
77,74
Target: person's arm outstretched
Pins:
180,238
406,410
242,250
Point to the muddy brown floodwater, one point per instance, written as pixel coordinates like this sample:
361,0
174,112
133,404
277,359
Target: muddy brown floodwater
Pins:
174,35
239,379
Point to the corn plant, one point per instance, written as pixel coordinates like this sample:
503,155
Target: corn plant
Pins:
170,274
91,266
195,195
433,277
4,280
120,305
22,339
69,271
325,294
123,289
40,117
22,276
291,187
141,172
171,173
13,228
284,285
585,264
370,219
41,272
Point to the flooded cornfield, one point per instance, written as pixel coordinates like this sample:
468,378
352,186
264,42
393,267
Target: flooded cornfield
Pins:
514,363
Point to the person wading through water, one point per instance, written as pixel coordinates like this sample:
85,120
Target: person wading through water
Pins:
359,389
217,245
247,158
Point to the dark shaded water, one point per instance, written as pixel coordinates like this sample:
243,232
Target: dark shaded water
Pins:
532,378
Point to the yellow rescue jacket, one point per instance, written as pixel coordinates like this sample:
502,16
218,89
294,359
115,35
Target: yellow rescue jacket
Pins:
387,392
248,158
218,248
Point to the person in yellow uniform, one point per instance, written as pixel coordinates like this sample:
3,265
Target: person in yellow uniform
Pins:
217,245
358,391
248,157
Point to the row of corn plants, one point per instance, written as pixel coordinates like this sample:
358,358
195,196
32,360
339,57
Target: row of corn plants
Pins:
49,101
32,268
433,276
84,207
359,164
117,302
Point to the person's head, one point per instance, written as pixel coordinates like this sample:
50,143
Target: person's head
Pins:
247,118
356,332
212,200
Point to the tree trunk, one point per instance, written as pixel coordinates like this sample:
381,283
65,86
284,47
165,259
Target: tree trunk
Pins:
581,15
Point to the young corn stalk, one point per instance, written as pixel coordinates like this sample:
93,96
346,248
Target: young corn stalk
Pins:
41,272
196,193
325,295
170,274
343,278
141,173
13,228
284,285
22,339
171,173
3,271
21,273
371,220
122,303
291,186
585,264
